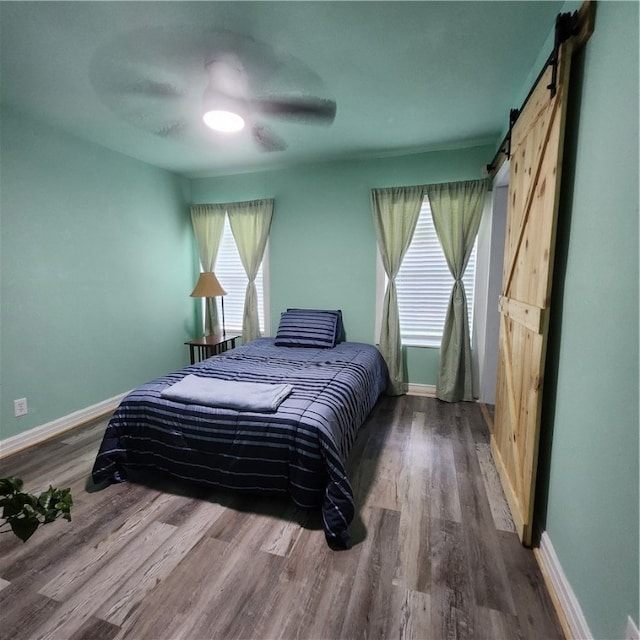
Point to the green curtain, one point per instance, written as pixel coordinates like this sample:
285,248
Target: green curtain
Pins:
395,215
250,223
208,222
456,209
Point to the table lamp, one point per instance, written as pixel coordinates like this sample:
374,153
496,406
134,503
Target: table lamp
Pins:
208,286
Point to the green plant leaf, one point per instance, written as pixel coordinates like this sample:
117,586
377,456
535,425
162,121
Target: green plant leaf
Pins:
44,500
24,528
10,485
13,506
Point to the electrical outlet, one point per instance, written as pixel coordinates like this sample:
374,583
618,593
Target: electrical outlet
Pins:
20,407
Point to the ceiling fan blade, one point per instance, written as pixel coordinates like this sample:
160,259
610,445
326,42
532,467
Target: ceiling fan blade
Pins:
171,130
266,140
313,110
148,87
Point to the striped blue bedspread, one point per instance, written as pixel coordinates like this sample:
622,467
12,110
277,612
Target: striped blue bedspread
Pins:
300,450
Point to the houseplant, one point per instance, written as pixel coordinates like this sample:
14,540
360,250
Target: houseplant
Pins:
25,512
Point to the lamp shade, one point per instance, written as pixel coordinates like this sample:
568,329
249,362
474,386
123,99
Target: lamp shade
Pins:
208,286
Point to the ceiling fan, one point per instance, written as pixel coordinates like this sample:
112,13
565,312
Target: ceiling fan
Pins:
228,104
173,84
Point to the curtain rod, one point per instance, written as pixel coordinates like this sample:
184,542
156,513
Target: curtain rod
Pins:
427,185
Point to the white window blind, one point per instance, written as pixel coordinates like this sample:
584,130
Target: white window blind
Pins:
232,277
424,285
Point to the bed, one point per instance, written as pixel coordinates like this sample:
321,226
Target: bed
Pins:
297,447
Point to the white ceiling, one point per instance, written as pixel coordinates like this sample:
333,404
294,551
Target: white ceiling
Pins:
406,76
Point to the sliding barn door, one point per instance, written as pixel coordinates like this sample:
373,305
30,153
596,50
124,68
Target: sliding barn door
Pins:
536,160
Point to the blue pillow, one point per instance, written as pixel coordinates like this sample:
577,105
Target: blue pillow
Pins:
307,328
337,312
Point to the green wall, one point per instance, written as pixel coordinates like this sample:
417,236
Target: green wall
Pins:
97,265
322,240
590,449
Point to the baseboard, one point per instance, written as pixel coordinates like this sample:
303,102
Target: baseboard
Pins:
564,598
426,390
36,435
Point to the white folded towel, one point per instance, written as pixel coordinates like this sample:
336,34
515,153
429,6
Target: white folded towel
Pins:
228,394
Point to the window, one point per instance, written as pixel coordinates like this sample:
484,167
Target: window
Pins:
232,277
424,285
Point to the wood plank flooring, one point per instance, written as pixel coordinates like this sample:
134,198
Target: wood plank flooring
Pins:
435,555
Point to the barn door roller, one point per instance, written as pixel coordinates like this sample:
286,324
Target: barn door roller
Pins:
578,24
567,25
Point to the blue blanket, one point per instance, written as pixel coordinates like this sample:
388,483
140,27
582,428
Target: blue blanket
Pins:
300,449
228,394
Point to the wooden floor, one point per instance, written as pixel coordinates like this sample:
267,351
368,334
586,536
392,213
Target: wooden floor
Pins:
434,554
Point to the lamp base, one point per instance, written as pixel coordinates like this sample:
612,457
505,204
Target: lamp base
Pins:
224,331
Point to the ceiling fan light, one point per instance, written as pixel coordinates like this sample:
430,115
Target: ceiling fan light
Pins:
225,121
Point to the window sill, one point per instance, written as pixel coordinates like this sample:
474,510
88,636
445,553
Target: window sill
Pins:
421,344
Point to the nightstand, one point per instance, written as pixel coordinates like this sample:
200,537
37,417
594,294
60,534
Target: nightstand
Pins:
212,345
